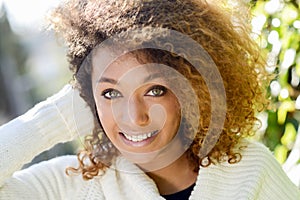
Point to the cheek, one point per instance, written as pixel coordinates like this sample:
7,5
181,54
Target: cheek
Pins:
102,105
173,112
175,115
105,115
108,125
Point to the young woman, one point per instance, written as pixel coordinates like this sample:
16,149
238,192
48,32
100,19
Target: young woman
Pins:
172,89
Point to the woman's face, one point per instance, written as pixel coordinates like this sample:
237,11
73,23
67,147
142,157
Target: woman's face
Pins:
138,112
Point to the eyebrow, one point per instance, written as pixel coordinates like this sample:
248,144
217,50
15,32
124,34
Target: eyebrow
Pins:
152,76
113,81
109,80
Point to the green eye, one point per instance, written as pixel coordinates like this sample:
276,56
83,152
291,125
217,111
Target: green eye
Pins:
157,91
111,94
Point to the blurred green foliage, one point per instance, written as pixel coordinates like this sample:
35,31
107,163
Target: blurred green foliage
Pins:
276,24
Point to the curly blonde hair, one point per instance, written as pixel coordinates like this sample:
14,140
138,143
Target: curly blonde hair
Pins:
83,24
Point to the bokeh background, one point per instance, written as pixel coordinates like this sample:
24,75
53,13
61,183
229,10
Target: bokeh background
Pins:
33,66
277,24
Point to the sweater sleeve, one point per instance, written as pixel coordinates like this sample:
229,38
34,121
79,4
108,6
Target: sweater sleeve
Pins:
292,165
46,124
274,183
256,176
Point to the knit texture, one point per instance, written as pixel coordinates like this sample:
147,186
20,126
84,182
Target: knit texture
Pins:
61,118
292,165
256,176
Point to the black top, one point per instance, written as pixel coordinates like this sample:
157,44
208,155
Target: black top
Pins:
181,195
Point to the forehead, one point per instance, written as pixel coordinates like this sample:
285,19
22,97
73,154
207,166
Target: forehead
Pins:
106,64
132,69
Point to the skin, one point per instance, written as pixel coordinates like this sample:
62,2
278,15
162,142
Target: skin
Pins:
132,100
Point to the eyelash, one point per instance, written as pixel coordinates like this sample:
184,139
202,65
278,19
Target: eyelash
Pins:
157,87
162,89
107,91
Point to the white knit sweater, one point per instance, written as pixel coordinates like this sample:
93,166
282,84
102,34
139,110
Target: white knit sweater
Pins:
256,176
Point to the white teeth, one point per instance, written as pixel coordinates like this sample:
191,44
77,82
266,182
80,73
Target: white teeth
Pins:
139,138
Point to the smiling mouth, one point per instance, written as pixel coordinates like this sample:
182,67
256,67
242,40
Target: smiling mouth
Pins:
140,137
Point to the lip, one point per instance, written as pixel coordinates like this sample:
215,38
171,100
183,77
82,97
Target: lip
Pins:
141,143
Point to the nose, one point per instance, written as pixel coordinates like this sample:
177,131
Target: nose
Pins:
137,111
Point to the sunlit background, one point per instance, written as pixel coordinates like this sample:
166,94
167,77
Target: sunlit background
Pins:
33,66
32,63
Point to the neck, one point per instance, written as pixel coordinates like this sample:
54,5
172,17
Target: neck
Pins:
175,177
